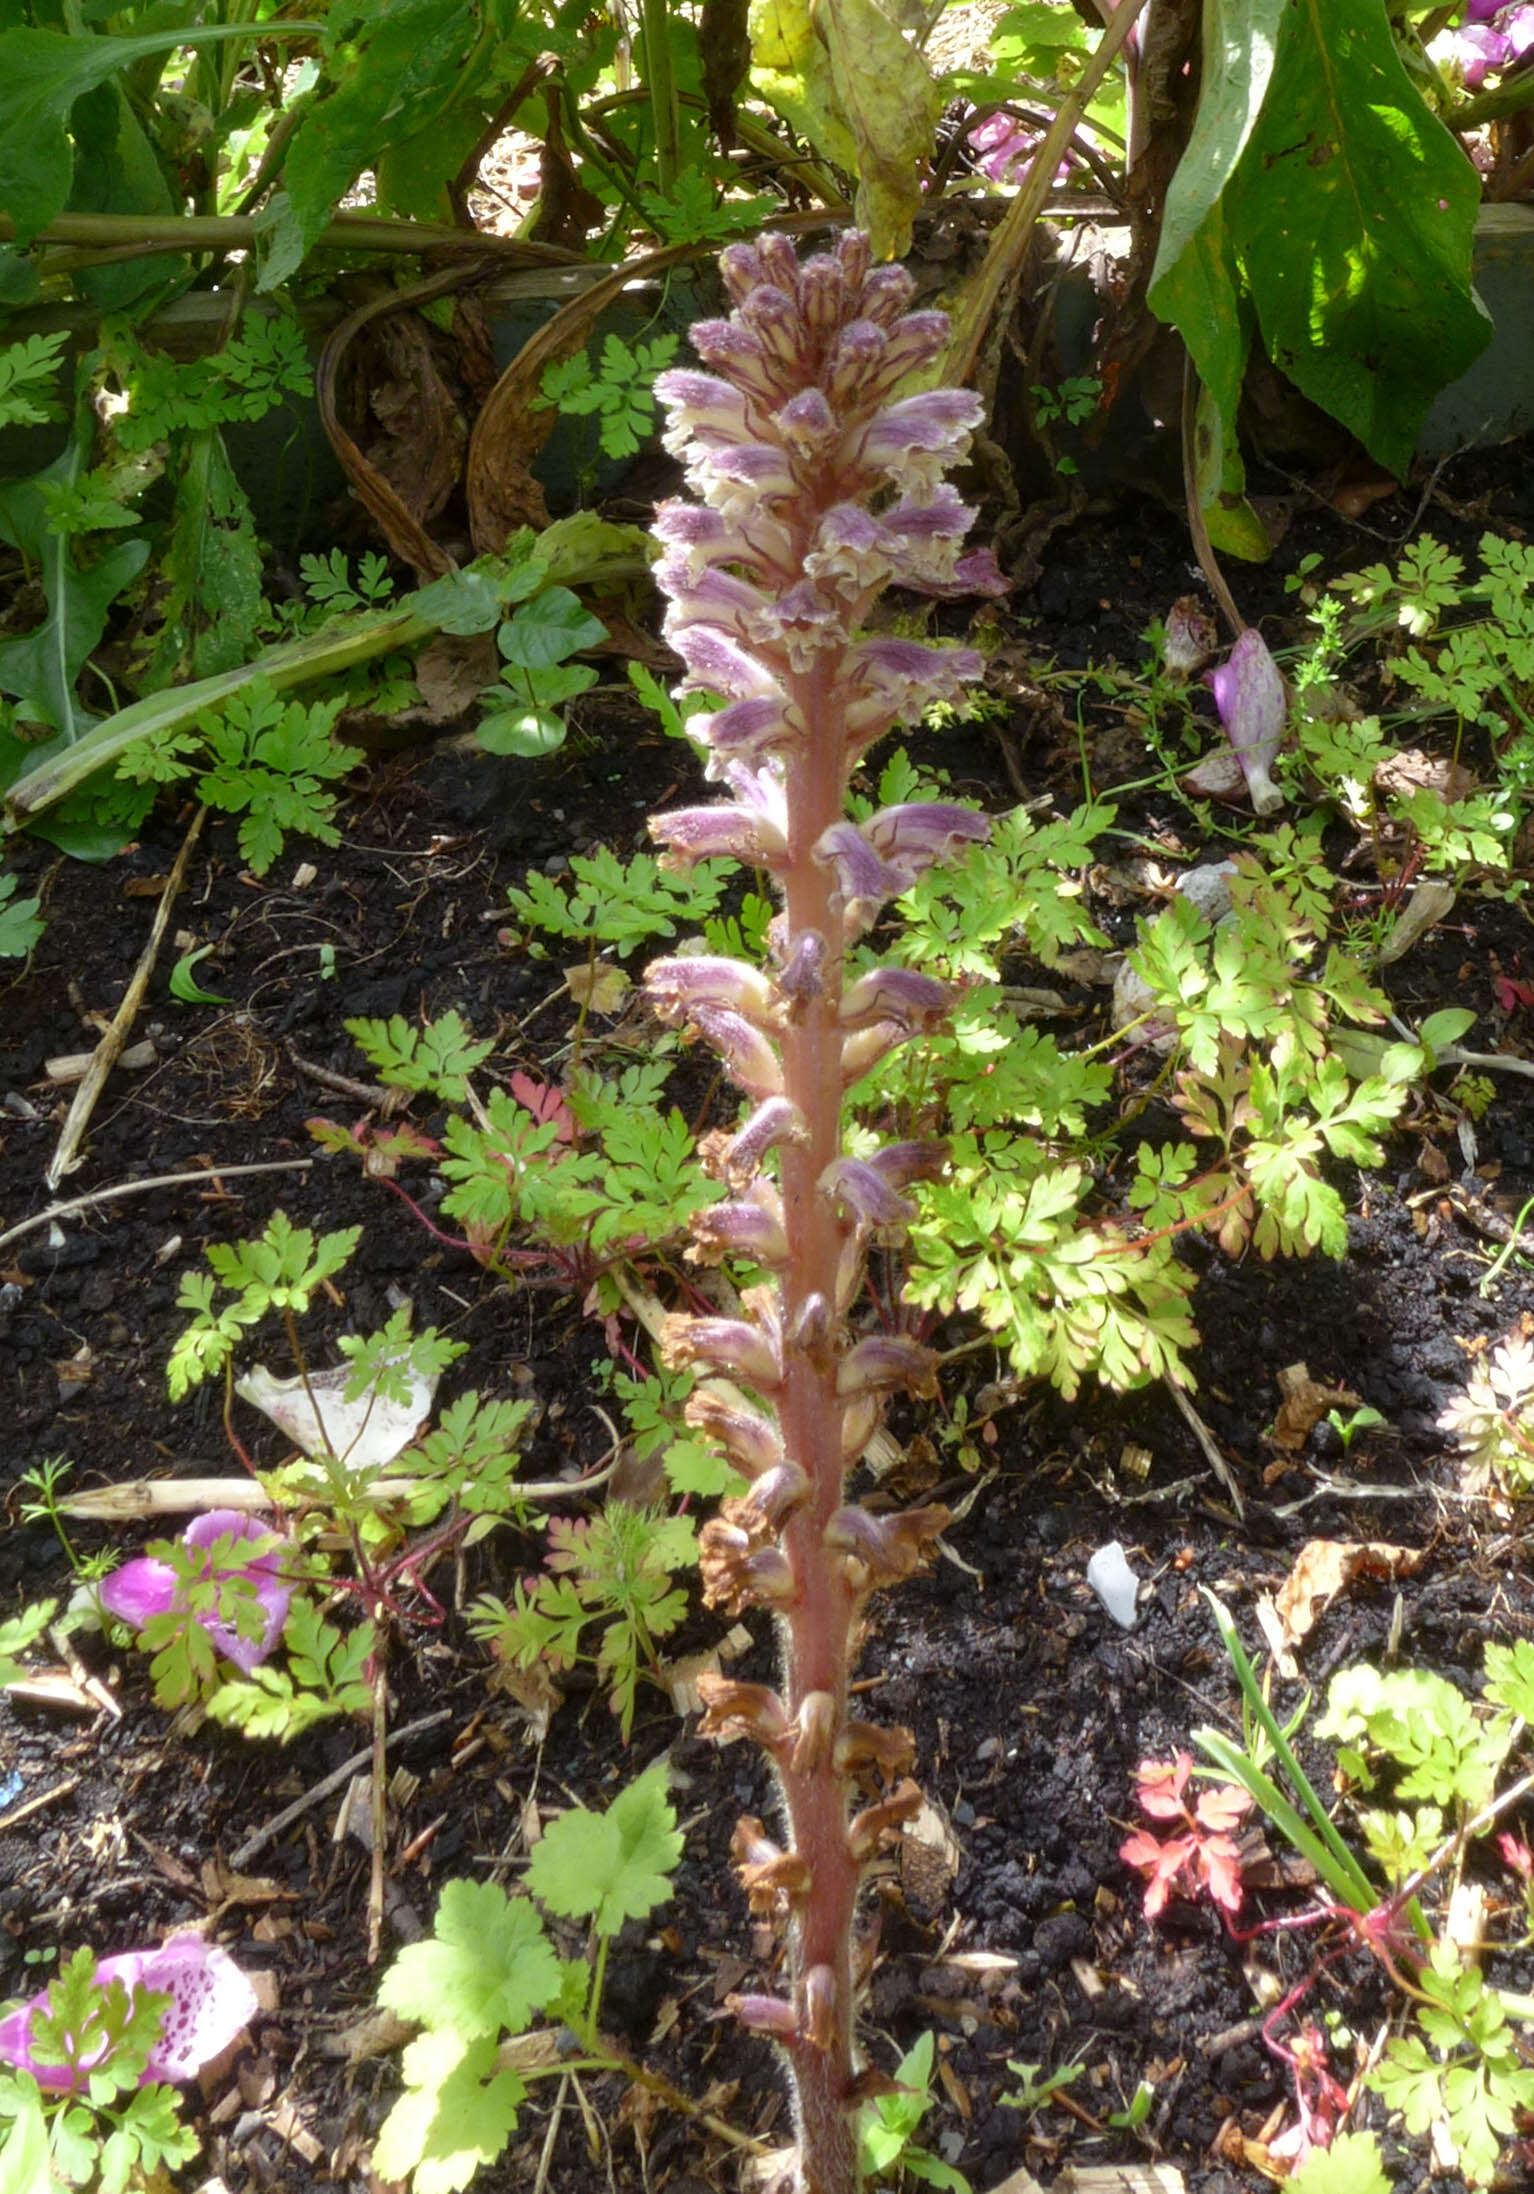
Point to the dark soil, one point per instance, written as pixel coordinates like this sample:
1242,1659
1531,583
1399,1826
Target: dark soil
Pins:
1031,1708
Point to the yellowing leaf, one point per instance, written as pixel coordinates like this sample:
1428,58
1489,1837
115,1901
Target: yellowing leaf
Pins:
891,103
600,989
793,72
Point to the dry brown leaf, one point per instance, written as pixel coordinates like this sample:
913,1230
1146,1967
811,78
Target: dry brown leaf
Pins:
1413,770
1304,1402
451,673
1328,1566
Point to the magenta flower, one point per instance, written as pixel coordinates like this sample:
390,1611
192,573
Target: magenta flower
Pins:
145,1588
1489,39
998,145
1249,694
211,2001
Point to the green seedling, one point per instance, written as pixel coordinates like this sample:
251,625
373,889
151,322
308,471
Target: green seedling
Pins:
1348,1428
523,713
887,2129
1036,2088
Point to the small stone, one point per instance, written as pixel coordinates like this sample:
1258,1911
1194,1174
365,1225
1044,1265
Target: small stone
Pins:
1115,1583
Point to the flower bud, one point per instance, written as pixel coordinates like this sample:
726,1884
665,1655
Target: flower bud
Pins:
1249,694
768,2015
815,1733
820,2007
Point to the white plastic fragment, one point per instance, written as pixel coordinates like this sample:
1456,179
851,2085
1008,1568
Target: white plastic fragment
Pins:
366,1434
1115,1583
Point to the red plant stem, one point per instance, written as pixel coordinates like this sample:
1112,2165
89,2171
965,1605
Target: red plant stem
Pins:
817,1625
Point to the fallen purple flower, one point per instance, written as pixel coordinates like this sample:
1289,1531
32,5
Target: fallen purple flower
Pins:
211,2001
1249,694
147,1587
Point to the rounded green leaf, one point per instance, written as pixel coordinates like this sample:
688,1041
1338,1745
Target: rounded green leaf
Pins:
547,629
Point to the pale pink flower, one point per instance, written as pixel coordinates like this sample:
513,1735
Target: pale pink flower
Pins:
211,2001
147,1587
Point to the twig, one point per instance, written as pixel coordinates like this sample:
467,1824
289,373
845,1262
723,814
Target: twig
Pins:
254,1845
141,1497
116,1036
203,1174
371,1094
379,1793
546,2156
29,1806
1207,1447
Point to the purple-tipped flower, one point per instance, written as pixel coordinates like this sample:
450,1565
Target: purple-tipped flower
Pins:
704,979
1249,694
879,860
728,1345
718,664
770,1126
884,1362
897,994
747,1226
919,832
864,879
211,2002
703,409
750,1439
748,1057
148,1587
897,681
870,1187
913,442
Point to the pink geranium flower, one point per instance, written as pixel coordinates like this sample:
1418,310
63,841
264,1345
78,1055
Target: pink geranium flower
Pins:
145,1588
211,2001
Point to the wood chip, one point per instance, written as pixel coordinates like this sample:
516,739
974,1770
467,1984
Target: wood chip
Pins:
1120,2179
1020,2181
73,1066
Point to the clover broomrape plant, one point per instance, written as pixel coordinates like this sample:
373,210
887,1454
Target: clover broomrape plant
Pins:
815,492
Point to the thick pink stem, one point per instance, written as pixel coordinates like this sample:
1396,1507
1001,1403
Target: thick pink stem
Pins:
817,1626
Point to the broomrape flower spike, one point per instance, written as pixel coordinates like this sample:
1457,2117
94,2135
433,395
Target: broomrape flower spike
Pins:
816,487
